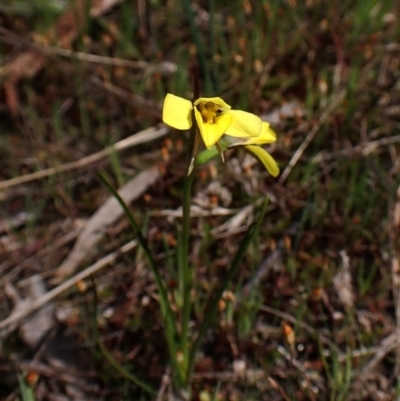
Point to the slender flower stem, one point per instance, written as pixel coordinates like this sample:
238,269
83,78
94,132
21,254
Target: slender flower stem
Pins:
187,271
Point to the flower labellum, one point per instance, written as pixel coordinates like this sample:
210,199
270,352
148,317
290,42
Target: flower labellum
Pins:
252,145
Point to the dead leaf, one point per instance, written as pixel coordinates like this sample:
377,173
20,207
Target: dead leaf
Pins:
35,328
105,216
64,32
342,282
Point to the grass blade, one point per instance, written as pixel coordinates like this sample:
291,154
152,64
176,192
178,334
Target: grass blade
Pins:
168,316
212,309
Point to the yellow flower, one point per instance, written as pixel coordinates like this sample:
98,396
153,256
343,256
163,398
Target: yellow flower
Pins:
252,146
213,116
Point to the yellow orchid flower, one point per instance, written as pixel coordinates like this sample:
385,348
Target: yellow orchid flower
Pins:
213,116
252,146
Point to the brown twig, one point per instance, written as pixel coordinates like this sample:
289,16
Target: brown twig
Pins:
16,317
146,135
338,99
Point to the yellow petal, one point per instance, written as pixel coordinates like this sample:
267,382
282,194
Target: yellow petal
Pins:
216,100
265,158
177,112
266,136
211,133
244,124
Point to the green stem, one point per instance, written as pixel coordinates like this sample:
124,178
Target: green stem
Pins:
186,271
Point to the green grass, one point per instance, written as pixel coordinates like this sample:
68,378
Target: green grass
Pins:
341,202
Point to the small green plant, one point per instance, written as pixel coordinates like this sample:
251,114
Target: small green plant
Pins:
212,121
